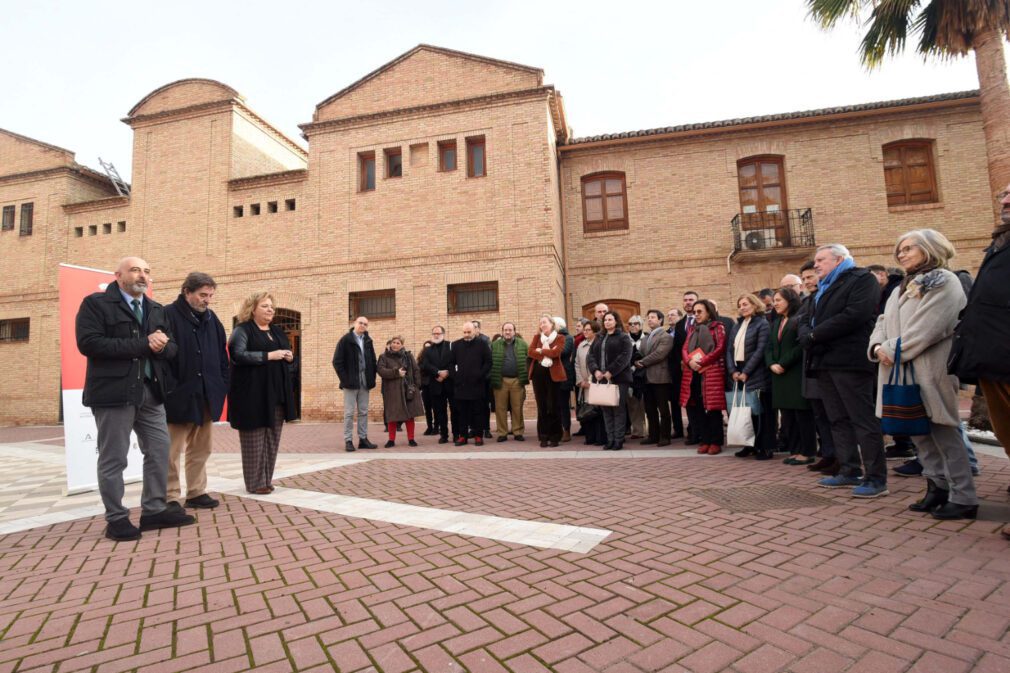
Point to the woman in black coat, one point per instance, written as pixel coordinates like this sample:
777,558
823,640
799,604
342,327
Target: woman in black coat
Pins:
745,366
261,396
610,360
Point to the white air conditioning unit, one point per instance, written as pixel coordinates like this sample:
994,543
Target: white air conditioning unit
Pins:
760,239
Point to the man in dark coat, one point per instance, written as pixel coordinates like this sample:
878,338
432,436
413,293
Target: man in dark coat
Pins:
828,464
835,336
981,349
128,343
354,361
437,364
200,373
471,364
678,331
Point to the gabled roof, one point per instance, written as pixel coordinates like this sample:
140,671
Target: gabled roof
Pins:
438,50
784,116
47,146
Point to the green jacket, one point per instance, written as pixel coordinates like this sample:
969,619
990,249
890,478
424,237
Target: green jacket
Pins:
498,357
786,391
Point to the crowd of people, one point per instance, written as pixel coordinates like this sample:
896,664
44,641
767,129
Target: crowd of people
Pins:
818,362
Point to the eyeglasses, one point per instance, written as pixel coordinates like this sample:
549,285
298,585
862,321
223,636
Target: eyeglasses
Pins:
700,312
904,251
1002,195
635,323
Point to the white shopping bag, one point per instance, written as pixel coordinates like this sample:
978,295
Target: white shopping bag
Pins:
740,431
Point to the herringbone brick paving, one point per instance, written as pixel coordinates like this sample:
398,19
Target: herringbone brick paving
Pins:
680,585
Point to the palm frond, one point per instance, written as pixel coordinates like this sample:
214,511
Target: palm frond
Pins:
829,12
887,30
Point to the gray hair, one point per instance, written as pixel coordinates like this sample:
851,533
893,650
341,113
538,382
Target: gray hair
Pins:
935,246
837,249
559,323
636,318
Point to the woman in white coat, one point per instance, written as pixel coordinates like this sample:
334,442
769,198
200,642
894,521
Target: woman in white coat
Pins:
923,313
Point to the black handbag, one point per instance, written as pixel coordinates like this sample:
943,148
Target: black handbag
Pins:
409,387
584,411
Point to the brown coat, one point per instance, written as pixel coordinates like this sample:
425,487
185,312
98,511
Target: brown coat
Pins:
557,368
396,406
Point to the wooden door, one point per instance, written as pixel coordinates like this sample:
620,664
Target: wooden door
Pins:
763,203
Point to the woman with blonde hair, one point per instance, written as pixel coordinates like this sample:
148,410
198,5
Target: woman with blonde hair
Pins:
745,365
546,373
919,319
261,396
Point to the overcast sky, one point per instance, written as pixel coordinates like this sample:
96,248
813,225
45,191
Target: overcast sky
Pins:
82,65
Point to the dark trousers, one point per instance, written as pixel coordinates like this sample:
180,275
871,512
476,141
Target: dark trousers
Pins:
615,418
823,428
547,394
765,424
471,415
657,410
429,415
438,405
565,409
800,432
848,400
676,411
707,424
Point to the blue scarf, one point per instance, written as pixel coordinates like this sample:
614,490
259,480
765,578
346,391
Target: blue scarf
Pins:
828,280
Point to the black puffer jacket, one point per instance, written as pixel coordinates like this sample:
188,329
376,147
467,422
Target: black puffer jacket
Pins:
115,344
836,332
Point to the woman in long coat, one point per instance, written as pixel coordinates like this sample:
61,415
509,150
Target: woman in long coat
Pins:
784,357
401,379
261,396
922,313
703,386
547,373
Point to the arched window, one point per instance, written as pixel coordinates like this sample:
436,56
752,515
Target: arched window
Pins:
604,202
622,307
909,174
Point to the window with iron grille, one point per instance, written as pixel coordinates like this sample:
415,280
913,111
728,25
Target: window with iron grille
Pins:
8,219
473,297
373,304
13,330
27,218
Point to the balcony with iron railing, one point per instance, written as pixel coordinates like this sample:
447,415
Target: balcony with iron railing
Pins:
781,233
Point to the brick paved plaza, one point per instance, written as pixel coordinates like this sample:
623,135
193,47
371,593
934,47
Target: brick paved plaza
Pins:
709,563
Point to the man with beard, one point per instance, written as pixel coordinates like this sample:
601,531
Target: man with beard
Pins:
128,342
471,364
200,373
437,364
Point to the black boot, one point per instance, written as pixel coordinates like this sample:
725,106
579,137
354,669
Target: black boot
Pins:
935,497
764,455
951,510
745,452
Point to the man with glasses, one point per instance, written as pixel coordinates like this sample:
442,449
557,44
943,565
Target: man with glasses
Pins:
437,364
128,342
981,349
354,361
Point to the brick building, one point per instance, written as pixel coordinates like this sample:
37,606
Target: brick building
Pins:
445,186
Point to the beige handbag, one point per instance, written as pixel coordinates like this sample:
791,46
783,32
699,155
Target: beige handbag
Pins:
604,394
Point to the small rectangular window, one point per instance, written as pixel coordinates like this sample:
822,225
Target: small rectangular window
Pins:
13,330
121,226
373,304
8,219
27,218
473,297
107,228
254,209
238,211
476,157
447,156
289,204
92,230
78,232
271,206
394,162
366,171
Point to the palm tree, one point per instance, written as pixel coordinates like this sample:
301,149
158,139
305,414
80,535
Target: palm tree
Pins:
946,29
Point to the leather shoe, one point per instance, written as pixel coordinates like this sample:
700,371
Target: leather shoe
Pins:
363,443
349,447
649,440
202,502
460,441
745,452
479,441
389,444
935,497
663,442
121,530
503,438
703,449
519,438
714,449
952,510
167,518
